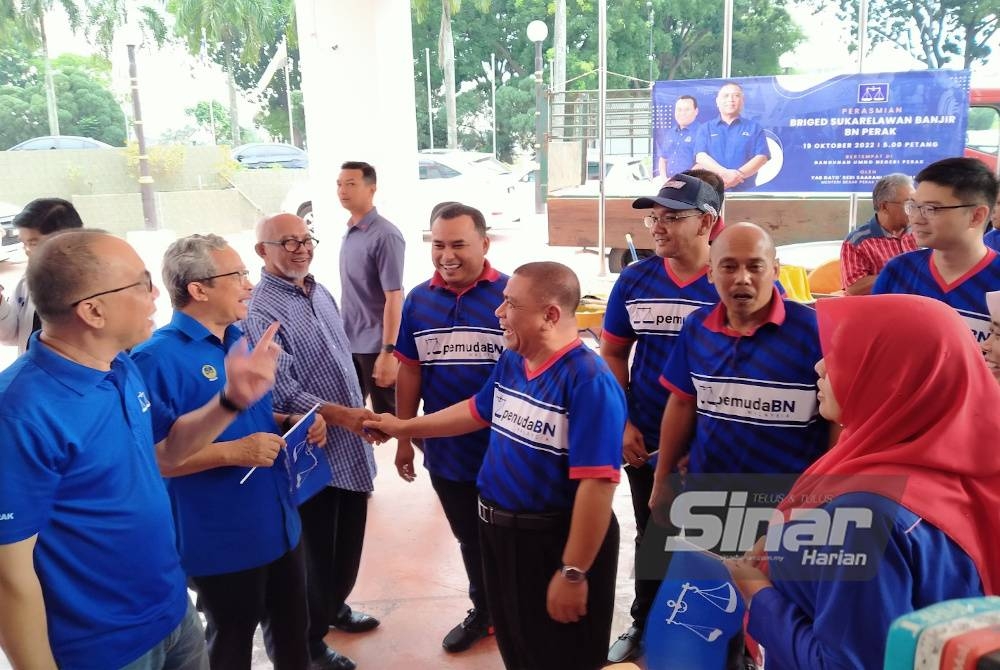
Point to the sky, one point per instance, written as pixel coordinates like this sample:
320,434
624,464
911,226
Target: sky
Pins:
171,80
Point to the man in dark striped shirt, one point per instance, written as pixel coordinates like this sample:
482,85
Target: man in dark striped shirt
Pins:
316,368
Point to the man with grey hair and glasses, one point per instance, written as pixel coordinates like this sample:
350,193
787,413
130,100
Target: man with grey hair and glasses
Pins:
238,531
89,569
886,235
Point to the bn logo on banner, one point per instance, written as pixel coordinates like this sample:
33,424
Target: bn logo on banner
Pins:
873,92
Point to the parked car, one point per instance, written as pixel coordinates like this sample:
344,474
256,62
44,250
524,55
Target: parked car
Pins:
270,154
11,245
443,176
60,142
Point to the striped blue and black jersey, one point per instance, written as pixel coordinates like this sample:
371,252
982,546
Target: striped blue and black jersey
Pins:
550,428
992,239
648,305
915,273
456,340
755,394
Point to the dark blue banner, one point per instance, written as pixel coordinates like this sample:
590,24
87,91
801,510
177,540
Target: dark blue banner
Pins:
802,134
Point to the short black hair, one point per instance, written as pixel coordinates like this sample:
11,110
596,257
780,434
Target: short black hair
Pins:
453,210
553,282
712,179
367,171
968,178
688,97
48,215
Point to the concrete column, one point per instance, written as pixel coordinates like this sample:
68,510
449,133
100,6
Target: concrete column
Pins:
357,87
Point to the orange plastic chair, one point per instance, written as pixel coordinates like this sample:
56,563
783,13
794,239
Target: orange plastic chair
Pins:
826,278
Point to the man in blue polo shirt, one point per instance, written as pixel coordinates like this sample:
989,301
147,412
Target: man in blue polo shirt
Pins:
948,214
89,571
741,379
646,308
449,342
549,537
675,151
237,531
731,146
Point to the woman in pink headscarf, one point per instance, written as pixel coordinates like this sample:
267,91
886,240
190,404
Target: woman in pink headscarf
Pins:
919,453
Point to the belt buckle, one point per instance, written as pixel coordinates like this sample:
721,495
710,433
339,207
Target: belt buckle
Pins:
485,513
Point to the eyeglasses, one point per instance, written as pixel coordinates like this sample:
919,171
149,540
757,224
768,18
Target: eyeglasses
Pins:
650,220
930,211
291,245
243,275
146,281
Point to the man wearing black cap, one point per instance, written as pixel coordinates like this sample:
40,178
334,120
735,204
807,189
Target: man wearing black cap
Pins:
647,307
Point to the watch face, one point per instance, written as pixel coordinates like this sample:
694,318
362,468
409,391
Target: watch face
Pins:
573,575
389,348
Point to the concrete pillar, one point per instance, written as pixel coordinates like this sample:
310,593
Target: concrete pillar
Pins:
357,87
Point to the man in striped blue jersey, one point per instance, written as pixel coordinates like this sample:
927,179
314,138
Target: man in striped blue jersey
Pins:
647,307
948,215
449,341
741,378
549,537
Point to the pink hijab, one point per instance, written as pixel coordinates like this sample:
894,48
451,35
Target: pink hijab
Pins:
916,400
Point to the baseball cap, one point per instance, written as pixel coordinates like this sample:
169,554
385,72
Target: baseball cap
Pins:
683,192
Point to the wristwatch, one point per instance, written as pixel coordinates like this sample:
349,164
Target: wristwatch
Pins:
572,574
388,348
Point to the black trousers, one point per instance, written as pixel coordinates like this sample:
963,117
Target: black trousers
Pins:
236,602
518,566
460,501
333,535
640,481
383,399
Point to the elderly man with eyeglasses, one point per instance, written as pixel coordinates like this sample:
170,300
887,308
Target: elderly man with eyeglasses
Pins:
647,307
89,569
315,367
238,532
948,215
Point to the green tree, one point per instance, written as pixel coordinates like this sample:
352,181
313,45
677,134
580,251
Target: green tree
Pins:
935,32
234,29
86,105
105,17
29,17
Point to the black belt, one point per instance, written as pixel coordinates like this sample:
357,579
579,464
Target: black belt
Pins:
498,517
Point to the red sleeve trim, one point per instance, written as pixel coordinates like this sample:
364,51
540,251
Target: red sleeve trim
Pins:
475,412
665,383
596,472
404,359
616,339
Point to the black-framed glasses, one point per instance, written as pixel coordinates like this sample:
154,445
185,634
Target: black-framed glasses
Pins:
930,211
243,274
146,281
650,220
291,245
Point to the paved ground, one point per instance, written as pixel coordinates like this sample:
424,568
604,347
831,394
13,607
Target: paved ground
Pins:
412,576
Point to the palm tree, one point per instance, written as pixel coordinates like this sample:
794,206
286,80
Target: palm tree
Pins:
105,17
238,27
29,16
446,55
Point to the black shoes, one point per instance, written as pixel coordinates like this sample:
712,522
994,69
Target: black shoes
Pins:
331,660
350,621
475,627
627,647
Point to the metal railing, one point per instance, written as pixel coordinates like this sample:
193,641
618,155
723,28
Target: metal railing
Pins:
573,114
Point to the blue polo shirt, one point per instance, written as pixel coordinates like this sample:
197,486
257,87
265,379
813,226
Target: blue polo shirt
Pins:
648,306
732,145
456,340
550,428
222,526
916,273
755,394
992,239
77,468
677,148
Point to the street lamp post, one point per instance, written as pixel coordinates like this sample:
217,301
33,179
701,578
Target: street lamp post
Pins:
133,38
491,74
537,32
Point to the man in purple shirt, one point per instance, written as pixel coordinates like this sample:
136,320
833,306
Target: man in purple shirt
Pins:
315,367
371,274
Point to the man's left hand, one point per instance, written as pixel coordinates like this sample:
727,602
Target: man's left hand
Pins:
566,602
317,431
250,374
386,367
